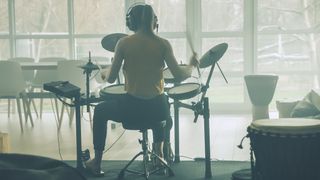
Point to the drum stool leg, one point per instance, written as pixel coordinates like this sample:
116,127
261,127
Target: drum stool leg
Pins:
146,158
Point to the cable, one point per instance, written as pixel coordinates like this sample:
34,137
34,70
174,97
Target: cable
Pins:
64,102
198,158
93,76
186,157
57,124
114,142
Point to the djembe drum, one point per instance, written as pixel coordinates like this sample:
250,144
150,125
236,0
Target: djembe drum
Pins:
285,149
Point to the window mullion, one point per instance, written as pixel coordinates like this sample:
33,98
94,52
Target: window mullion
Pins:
12,30
72,52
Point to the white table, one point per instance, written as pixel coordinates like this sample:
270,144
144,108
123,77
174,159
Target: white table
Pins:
46,65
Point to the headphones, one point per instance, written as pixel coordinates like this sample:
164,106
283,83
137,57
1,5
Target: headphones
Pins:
132,20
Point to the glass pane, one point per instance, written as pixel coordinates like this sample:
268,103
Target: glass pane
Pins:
293,87
221,92
232,60
288,14
4,49
4,18
42,48
286,53
83,46
41,16
171,14
214,10
179,49
99,16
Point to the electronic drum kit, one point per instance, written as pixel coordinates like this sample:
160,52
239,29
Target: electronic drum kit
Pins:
177,91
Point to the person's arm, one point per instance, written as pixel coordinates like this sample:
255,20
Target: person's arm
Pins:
180,74
117,62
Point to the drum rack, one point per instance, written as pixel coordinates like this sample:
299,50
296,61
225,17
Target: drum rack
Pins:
199,108
209,59
68,90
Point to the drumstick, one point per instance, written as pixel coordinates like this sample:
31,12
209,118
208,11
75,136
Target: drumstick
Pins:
100,70
190,42
192,49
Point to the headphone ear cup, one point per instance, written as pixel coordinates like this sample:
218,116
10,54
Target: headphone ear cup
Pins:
130,22
155,22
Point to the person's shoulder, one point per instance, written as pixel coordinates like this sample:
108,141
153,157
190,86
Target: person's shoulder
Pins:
163,41
123,40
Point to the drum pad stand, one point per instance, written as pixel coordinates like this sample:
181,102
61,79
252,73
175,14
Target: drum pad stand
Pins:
199,108
87,69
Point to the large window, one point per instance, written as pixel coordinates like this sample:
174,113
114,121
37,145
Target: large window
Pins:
287,44
39,16
222,22
171,14
92,21
99,16
4,25
220,15
263,37
4,30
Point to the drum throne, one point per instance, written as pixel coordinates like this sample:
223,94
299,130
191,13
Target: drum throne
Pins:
146,154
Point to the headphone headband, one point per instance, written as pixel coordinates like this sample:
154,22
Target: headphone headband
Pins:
133,5
131,20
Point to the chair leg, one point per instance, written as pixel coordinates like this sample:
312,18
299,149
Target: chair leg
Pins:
24,110
27,108
9,107
61,117
57,107
41,108
19,113
71,116
34,107
33,103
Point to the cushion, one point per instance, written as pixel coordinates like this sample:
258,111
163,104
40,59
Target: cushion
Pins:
285,108
309,106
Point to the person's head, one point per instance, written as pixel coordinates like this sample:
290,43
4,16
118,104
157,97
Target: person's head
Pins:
141,17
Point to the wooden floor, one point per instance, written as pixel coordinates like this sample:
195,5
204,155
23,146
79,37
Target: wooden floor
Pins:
43,139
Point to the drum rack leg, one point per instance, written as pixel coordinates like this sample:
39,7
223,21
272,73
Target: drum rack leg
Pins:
206,117
80,165
201,109
176,132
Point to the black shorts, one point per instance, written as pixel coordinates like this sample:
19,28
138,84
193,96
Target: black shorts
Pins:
132,110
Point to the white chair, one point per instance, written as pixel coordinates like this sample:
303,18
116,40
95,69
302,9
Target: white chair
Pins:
28,76
14,86
261,90
69,70
44,76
